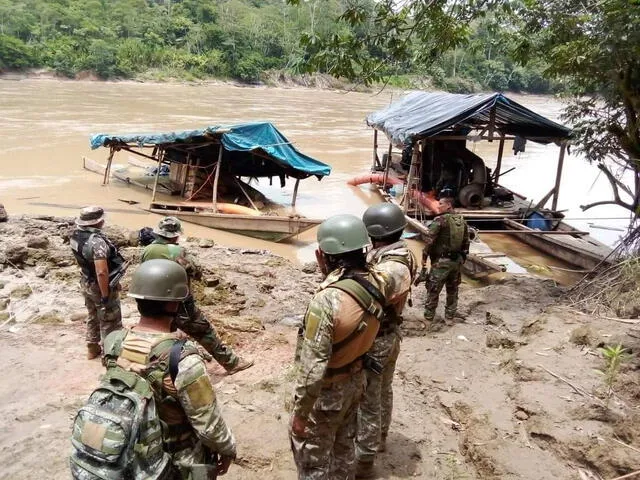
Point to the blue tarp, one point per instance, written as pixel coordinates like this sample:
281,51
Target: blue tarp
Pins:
426,114
247,137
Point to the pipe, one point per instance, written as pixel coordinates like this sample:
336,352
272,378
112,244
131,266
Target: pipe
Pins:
374,178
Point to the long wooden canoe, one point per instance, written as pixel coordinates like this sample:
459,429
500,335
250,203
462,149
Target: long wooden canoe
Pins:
274,228
574,248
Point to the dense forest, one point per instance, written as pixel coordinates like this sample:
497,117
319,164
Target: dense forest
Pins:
239,39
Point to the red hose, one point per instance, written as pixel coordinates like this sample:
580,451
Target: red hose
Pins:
374,178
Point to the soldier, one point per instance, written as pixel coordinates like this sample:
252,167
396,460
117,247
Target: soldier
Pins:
99,261
340,326
194,433
447,244
391,260
190,319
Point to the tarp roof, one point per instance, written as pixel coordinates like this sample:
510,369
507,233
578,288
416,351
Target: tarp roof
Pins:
425,114
262,138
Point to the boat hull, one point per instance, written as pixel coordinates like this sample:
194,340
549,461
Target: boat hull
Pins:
272,228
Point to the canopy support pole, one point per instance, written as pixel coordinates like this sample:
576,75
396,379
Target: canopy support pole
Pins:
499,162
556,193
295,193
155,182
492,122
186,175
376,163
386,167
107,170
215,181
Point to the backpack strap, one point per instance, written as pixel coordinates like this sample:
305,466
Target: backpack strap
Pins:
367,296
175,355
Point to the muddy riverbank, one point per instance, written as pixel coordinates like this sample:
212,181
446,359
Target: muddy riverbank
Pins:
471,402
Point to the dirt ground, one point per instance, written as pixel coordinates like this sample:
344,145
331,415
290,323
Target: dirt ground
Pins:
473,401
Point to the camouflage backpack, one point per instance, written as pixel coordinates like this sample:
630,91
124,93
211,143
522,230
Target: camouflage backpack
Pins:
117,434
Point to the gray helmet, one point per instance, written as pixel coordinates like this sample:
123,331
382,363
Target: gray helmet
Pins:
342,234
160,279
90,216
384,219
168,227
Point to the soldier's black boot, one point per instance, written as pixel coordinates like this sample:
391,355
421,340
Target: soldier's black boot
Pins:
364,469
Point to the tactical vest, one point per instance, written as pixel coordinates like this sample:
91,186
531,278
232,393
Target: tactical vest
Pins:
166,251
79,241
148,355
356,325
451,236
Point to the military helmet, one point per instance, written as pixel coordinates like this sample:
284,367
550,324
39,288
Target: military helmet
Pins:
168,227
342,234
160,279
384,219
90,216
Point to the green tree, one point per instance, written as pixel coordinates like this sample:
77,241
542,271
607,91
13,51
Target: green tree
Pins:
594,46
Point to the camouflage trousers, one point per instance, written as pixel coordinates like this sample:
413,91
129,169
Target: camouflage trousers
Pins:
374,413
443,272
194,323
327,451
101,319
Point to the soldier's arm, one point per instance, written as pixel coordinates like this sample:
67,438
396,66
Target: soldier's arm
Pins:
430,237
190,264
315,353
100,252
198,399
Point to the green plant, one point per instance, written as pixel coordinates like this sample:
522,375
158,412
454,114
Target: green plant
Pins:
614,357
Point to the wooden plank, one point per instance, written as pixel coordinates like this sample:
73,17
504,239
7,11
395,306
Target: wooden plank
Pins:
215,181
295,193
556,189
496,174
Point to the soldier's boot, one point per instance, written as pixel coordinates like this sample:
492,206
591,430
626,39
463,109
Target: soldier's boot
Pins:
457,317
93,350
243,364
364,469
383,444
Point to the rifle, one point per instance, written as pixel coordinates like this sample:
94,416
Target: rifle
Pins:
118,274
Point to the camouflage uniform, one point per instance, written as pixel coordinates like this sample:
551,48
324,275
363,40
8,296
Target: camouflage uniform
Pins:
193,427
190,318
394,267
330,382
102,319
447,245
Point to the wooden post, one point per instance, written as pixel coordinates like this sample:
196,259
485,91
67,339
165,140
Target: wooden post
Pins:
496,174
375,149
295,192
386,167
556,192
186,175
215,181
246,194
107,169
492,122
155,182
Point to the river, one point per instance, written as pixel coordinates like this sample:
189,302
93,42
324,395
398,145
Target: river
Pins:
45,127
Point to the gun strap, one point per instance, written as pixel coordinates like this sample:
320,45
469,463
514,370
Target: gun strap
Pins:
174,358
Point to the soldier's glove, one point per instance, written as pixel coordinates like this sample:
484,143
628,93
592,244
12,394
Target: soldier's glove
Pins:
224,462
422,277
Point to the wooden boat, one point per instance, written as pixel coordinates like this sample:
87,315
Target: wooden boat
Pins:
429,132
274,228
210,163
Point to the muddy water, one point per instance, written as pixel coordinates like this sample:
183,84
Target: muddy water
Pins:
45,127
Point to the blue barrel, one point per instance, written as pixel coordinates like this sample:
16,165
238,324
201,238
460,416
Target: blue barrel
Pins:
537,221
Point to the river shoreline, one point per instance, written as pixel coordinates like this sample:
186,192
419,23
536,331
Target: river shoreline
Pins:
473,401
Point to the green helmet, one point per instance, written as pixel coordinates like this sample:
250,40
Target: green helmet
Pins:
168,227
342,234
384,219
160,279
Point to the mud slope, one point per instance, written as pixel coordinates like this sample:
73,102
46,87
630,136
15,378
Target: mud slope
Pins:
471,402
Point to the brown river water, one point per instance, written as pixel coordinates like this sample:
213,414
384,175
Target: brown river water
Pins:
45,127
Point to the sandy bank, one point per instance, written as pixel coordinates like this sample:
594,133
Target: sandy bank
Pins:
471,402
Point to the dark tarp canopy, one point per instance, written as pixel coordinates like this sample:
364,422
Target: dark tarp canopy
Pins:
424,114
250,149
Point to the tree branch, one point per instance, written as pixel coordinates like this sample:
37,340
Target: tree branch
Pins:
607,202
615,183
